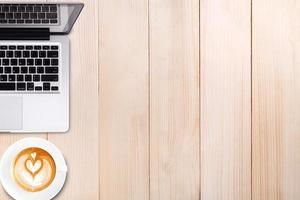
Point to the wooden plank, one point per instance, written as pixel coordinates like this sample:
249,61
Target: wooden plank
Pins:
225,99
124,141
80,145
174,100
7,139
276,100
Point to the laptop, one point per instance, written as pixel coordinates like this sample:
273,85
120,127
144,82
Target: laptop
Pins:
34,66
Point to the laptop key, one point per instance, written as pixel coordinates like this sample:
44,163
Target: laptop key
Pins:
28,78
38,61
5,61
34,54
41,15
52,54
46,86
37,21
12,21
9,54
10,16
54,62
53,8
30,62
25,15
33,15
37,47
49,78
30,86
53,21
40,70
21,8
22,62
51,70
24,70
38,88
28,21
14,62
13,9
32,70
26,54
5,8
45,9
7,70
42,54
21,86
36,78
54,88
7,86
20,78
18,54
3,77
16,70
51,15
17,15
29,9
46,62
37,9
11,78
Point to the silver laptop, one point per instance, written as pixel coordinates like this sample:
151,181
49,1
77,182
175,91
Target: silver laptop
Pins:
34,66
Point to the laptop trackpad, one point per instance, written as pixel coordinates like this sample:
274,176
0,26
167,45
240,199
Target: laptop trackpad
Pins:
11,113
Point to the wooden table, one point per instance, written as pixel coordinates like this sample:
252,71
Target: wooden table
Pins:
183,100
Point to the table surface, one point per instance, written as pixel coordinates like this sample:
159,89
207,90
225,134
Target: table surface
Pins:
182,100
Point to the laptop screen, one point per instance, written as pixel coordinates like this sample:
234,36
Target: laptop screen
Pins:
59,18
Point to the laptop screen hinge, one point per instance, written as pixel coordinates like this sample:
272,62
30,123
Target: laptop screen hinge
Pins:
24,34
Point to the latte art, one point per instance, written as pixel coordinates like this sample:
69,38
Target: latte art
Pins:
34,169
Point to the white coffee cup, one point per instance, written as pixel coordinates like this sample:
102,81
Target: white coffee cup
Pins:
6,168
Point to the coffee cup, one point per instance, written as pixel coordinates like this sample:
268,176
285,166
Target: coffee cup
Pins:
33,169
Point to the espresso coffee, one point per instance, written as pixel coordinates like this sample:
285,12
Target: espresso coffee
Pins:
34,169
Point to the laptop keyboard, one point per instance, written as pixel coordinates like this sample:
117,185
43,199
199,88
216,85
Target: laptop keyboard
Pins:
29,68
28,14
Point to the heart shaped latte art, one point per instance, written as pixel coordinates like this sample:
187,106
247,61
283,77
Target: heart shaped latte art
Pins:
33,155
33,166
34,169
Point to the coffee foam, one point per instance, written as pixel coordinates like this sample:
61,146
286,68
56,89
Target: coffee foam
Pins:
33,169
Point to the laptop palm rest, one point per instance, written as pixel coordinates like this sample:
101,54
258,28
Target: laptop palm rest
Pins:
11,113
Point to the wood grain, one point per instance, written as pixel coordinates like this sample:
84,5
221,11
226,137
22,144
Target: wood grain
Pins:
80,145
161,101
123,76
225,99
174,100
276,100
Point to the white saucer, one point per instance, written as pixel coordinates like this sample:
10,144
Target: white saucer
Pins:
13,189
